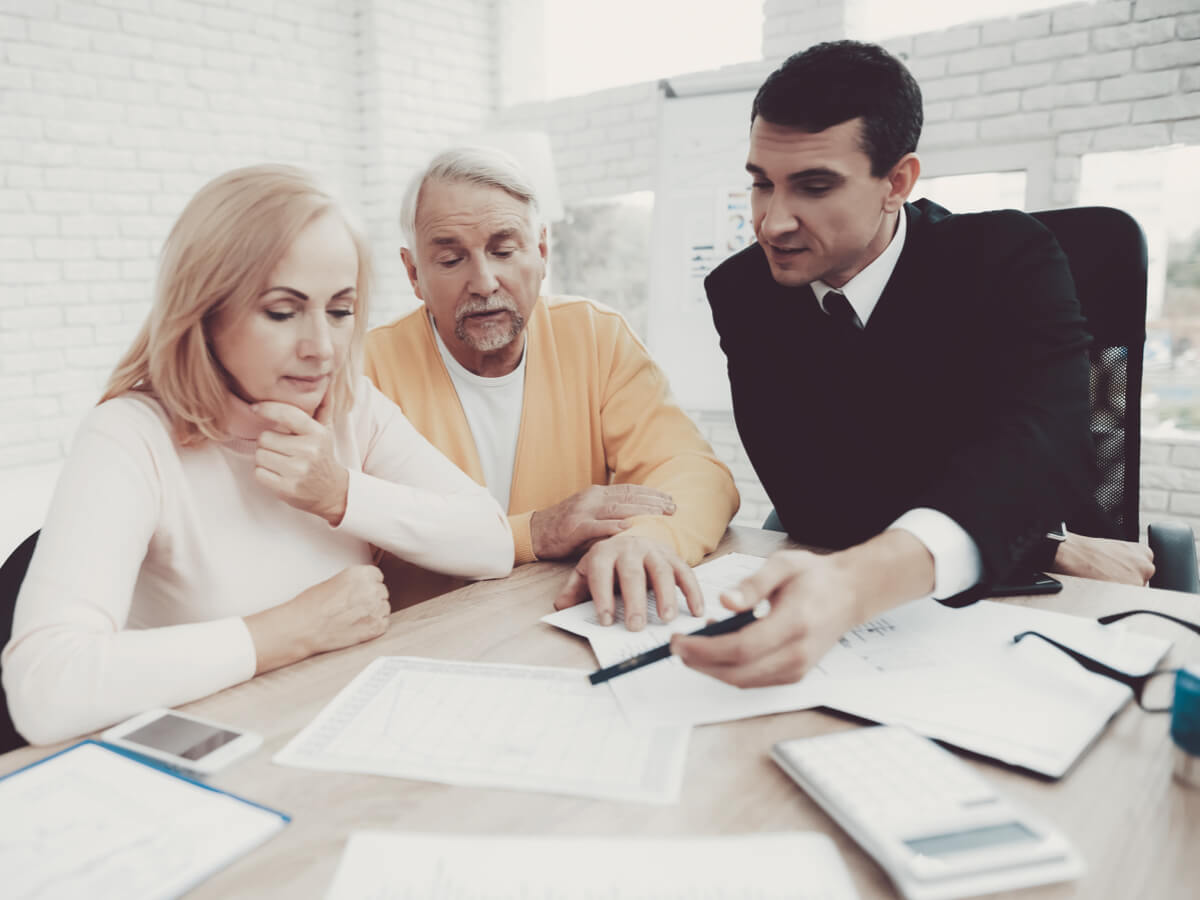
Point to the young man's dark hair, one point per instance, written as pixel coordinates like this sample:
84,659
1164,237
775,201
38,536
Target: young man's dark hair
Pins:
831,83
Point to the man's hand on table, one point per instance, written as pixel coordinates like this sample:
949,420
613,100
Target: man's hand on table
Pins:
599,512
1124,562
631,563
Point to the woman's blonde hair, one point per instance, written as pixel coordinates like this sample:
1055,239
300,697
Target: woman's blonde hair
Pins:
219,256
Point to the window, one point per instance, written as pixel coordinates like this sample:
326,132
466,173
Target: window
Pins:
1159,188
976,192
601,251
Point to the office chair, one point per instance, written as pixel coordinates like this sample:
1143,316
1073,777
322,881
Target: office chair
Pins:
1106,251
12,573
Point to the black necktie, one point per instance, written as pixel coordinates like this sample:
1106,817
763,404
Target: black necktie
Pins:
840,310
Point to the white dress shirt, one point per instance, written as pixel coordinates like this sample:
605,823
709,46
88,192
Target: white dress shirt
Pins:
957,564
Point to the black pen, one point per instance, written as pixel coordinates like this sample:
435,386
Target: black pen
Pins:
733,623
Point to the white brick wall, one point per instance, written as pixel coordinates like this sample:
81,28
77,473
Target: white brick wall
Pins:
719,430
427,73
112,113
603,143
1170,480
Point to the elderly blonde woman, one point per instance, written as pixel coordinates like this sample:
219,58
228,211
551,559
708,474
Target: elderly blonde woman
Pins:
219,511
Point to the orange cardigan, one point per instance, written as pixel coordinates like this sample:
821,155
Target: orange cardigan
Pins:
597,410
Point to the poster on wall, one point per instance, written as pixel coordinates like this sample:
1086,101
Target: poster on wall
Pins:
713,241
702,258
736,228
701,218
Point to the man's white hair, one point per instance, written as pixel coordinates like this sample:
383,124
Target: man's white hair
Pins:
474,165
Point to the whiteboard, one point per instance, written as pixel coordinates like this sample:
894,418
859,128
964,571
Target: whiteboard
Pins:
699,194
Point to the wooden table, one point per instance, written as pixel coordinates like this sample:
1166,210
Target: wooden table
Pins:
1136,827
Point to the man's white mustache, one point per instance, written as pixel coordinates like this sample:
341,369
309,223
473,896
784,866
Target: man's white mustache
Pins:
475,309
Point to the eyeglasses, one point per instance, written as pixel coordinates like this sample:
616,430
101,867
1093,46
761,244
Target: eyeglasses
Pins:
1153,691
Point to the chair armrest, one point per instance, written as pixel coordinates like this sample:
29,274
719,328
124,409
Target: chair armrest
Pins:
1174,557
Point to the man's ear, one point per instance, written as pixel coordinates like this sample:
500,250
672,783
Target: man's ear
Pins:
901,181
544,248
410,266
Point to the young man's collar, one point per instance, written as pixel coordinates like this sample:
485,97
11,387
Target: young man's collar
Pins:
864,289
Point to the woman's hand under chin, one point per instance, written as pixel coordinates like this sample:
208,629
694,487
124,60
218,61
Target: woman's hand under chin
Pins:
295,460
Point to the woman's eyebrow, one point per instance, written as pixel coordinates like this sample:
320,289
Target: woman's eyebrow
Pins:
300,295
287,290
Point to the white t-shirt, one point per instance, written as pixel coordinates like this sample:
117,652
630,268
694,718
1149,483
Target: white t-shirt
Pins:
493,409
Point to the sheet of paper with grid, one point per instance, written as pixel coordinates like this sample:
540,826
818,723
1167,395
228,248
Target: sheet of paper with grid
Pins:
782,866
521,727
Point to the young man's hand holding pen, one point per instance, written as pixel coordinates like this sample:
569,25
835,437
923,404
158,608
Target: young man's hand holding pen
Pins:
815,599
724,626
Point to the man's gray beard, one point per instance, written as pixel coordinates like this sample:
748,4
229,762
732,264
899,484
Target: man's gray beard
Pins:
492,339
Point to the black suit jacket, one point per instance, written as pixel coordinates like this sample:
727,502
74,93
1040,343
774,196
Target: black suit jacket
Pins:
967,392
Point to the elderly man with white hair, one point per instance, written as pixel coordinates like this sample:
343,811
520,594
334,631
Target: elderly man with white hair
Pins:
551,402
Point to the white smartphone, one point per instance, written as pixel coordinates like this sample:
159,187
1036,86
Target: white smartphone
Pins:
183,741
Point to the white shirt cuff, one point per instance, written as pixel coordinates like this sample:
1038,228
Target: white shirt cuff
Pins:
957,564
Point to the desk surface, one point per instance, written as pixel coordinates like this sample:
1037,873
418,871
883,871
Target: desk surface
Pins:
1136,827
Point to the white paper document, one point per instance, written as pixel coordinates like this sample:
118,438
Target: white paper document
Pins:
669,691
783,866
92,823
715,576
956,675
522,727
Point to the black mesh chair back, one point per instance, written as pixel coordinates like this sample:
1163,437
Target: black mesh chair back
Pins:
12,573
1106,250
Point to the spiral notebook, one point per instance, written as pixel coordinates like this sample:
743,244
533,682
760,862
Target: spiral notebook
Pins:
92,821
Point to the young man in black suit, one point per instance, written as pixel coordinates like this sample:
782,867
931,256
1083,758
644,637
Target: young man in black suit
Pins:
910,385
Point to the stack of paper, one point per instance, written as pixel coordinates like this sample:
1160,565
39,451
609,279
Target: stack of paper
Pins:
951,674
